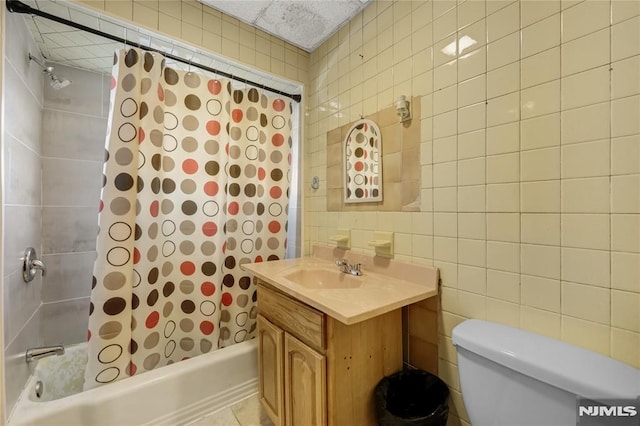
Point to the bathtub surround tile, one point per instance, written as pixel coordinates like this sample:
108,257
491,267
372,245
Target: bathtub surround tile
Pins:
16,371
22,120
73,135
71,182
84,98
65,322
17,54
23,180
21,230
68,276
21,300
69,229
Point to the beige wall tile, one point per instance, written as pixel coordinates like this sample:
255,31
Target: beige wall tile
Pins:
574,58
540,197
596,226
540,68
471,172
625,346
625,271
472,144
541,36
472,279
472,252
625,194
503,80
625,310
589,335
624,116
503,227
586,159
503,168
624,39
542,261
503,109
503,22
586,266
624,9
586,302
540,228
540,100
472,225
503,138
503,285
503,256
540,164
540,132
589,195
532,11
503,197
540,321
541,293
585,88
472,118
445,224
624,231
587,123
472,91
471,198
623,77
472,64
584,18
625,155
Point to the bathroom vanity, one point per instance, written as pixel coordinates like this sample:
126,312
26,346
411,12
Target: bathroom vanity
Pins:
326,338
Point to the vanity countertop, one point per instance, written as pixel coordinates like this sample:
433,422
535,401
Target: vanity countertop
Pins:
384,286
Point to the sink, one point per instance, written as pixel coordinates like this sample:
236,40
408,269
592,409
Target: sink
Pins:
322,278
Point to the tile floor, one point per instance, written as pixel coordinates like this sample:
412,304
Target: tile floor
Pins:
247,412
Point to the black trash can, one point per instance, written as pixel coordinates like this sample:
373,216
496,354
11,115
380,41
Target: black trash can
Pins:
412,397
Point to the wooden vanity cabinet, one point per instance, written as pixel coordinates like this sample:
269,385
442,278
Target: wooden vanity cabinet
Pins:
315,370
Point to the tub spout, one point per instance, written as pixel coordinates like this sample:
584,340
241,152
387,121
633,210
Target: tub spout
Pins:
37,353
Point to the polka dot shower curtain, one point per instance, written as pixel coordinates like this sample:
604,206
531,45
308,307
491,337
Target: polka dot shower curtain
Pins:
196,182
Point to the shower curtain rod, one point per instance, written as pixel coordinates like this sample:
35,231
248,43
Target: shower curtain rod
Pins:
16,6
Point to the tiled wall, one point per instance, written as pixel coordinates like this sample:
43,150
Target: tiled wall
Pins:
22,191
202,26
530,154
73,137
400,156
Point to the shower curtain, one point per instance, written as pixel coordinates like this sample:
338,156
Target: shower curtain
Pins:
196,183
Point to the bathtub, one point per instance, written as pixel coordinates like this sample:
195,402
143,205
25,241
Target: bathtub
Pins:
173,395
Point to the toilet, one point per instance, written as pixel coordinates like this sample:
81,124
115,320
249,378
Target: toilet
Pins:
513,377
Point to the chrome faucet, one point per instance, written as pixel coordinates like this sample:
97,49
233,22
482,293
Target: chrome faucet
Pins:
45,351
348,268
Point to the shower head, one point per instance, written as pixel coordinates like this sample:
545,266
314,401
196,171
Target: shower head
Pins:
55,82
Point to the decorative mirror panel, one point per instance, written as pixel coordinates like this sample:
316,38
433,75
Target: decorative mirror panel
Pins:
363,163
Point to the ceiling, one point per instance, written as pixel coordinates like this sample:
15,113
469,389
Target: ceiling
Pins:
303,23
79,49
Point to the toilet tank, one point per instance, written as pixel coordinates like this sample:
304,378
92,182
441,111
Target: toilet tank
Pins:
511,376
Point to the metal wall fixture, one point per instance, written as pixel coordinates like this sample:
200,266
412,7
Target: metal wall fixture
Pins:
31,264
403,108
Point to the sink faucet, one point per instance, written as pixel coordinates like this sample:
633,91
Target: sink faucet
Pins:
347,268
37,353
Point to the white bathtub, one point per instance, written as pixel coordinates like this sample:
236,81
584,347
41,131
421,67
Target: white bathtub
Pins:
173,395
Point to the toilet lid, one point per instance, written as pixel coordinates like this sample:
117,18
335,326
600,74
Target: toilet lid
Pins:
551,361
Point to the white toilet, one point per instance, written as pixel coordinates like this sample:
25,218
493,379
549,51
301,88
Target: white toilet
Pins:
512,377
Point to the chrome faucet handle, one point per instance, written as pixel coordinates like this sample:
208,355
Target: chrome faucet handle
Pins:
341,262
31,263
356,269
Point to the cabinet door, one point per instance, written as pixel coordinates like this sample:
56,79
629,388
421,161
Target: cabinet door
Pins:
305,384
270,359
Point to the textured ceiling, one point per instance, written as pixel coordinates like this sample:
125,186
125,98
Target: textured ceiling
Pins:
303,23
69,46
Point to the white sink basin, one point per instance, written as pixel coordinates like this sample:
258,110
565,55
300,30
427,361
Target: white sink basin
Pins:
322,278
